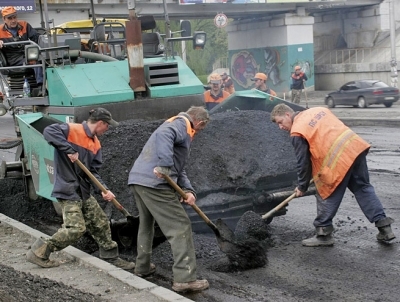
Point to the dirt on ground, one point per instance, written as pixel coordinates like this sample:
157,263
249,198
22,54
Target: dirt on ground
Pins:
357,268
232,155
35,288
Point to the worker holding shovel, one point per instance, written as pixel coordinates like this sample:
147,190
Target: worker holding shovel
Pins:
335,158
166,153
298,84
80,210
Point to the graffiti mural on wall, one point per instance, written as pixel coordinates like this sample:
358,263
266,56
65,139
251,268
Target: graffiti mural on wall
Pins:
244,67
276,62
273,62
245,64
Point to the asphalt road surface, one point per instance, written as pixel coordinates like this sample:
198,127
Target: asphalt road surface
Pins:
7,133
356,268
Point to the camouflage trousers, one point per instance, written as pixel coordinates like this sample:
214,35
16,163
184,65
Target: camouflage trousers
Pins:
79,216
296,95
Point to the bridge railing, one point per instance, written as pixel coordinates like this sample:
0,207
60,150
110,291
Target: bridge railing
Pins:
221,63
356,56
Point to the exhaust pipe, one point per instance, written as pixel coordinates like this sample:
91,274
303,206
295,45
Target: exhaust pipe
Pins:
134,48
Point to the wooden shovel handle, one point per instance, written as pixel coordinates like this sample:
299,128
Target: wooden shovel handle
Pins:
175,186
184,196
101,187
281,205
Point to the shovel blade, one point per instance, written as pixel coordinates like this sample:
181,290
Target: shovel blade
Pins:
126,230
225,238
245,254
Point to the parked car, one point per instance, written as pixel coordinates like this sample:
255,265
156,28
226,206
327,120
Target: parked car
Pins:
363,93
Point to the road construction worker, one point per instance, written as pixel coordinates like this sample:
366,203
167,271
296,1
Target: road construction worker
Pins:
298,84
216,94
166,153
227,83
14,30
72,186
260,83
333,156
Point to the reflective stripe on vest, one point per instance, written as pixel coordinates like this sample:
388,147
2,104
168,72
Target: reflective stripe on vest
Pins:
338,147
333,146
333,156
189,128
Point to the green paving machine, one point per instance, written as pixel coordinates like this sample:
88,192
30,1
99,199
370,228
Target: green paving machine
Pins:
126,68
123,68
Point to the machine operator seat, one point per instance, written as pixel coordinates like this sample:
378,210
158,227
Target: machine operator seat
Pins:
16,77
152,45
109,38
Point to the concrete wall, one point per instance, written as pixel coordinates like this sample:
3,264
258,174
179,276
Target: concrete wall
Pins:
327,31
283,29
361,29
272,46
355,28
335,81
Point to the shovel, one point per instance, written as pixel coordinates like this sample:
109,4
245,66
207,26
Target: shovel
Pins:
278,207
130,227
281,205
242,255
305,93
194,206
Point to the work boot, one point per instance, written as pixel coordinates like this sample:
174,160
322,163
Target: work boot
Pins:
197,285
149,273
121,263
323,237
319,241
112,257
39,254
385,230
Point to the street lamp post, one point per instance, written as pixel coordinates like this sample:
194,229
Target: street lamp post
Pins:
393,61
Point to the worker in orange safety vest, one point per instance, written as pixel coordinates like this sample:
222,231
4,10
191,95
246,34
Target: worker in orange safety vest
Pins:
333,156
216,94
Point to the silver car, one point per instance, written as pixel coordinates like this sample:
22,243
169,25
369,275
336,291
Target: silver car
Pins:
363,93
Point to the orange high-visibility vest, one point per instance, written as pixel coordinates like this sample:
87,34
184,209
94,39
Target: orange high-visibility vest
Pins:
333,146
189,129
208,97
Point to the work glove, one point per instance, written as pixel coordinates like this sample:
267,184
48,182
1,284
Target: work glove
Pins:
163,170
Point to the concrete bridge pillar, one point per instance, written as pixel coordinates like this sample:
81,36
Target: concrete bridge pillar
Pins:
273,45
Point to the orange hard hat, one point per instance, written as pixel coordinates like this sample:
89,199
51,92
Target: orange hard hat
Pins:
261,76
215,78
297,68
8,10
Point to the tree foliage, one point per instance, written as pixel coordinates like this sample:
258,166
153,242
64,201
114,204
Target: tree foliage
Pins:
200,61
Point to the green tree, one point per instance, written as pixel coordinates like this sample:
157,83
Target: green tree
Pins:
200,61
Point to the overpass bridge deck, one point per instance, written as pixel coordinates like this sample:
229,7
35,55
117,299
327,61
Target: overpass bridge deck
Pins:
236,9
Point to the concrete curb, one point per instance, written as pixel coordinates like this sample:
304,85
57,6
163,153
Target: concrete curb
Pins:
353,122
128,279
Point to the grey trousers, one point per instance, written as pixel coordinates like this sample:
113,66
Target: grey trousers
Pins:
164,207
357,180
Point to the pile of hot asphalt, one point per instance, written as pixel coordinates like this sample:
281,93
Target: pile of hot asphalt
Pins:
236,152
